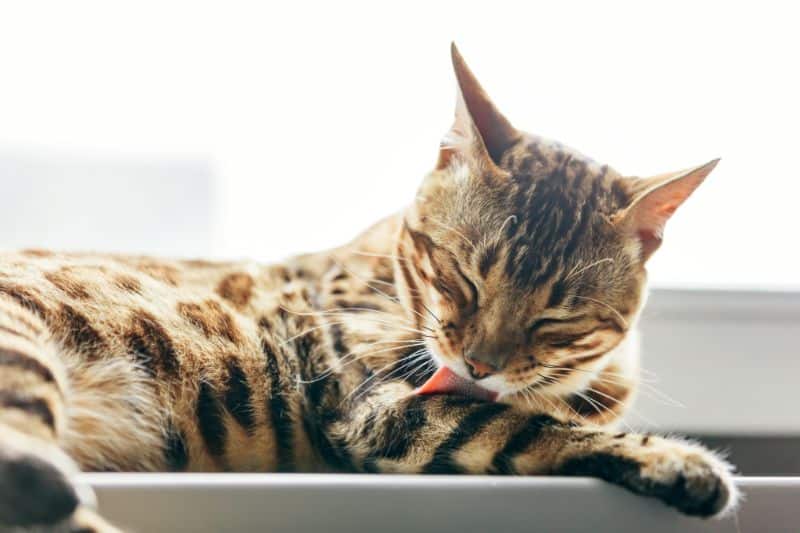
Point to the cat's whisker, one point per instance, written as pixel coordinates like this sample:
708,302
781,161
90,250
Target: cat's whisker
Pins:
371,254
607,306
366,282
594,404
535,397
578,264
375,374
415,370
619,402
352,312
454,230
362,312
436,318
417,354
389,283
573,273
551,379
503,226
649,391
284,342
355,356
622,379
597,406
652,379
546,397
357,353
392,299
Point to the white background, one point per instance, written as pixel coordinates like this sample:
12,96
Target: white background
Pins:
315,119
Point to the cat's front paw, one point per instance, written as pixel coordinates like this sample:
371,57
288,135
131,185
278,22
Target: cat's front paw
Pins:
681,474
688,477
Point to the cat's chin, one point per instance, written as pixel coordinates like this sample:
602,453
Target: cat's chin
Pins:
445,381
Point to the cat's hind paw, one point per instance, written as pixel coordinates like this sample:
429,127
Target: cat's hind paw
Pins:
36,484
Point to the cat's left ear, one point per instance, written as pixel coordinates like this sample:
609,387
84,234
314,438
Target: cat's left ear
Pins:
655,200
480,133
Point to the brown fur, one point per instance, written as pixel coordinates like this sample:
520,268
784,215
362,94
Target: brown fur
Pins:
518,256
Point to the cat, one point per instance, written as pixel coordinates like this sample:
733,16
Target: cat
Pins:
487,328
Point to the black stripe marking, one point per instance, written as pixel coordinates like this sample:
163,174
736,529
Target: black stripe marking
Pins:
25,298
279,412
336,455
151,344
519,442
238,396
337,338
25,362
175,451
33,406
609,467
81,335
627,472
557,293
210,418
470,425
396,436
489,258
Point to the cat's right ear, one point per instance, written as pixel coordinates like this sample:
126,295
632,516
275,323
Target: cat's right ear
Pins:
655,200
480,133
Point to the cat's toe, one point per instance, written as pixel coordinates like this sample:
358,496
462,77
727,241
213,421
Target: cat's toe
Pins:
690,478
701,490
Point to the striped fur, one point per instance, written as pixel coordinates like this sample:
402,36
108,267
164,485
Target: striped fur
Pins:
520,262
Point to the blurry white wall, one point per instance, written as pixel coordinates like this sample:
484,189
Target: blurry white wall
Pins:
121,204
320,117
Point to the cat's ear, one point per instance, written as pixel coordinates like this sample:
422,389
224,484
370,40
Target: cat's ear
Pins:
655,200
480,132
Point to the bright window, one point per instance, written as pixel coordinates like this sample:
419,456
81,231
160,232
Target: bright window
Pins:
314,129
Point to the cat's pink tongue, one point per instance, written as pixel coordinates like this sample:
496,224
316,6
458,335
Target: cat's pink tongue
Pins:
445,381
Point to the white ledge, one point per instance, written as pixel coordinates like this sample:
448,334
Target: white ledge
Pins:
344,503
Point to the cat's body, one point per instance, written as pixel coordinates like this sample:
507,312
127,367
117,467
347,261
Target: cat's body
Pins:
133,363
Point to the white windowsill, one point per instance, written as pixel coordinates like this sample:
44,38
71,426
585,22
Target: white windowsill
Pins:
160,503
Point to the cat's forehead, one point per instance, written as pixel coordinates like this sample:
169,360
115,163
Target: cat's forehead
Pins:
539,157
555,213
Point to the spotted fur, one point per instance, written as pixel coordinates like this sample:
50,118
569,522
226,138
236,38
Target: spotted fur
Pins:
520,264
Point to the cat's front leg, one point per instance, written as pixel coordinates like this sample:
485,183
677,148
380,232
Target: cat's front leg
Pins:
392,430
684,475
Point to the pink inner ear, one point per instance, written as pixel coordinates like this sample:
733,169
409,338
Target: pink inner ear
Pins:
667,210
650,211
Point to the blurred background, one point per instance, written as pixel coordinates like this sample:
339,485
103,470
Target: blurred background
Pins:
258,130
253,129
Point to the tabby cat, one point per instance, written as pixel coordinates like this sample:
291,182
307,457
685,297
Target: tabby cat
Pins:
486,329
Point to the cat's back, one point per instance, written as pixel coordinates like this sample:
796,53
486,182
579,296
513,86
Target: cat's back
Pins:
105,303
37,278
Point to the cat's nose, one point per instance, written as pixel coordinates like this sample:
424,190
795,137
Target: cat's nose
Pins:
480,366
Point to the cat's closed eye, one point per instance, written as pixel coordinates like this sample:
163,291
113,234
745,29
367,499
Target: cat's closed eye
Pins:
542,322
564,342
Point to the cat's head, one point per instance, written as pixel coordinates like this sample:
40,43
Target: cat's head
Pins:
520,254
